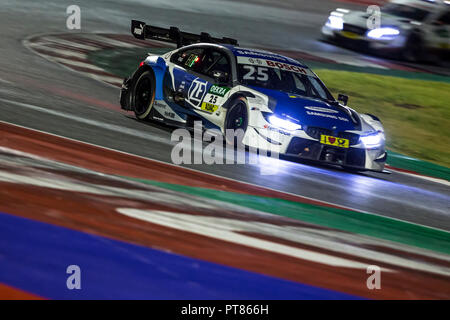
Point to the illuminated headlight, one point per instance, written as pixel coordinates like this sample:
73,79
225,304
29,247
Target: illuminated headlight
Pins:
373,139
335,22
283,123
383,33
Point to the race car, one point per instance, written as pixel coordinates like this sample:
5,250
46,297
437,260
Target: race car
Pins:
260,93
412,30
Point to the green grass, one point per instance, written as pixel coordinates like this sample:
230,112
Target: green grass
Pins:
415,113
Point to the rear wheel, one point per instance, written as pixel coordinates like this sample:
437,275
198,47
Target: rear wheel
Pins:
144,95
236,121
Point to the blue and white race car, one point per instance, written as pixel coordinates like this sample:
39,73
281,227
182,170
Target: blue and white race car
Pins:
258,92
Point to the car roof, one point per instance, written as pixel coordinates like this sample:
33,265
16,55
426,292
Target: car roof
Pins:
263,54
249,53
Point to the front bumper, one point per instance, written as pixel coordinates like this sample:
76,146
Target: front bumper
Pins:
302,146
358,158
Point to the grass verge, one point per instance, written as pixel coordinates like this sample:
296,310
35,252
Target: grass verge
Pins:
415,113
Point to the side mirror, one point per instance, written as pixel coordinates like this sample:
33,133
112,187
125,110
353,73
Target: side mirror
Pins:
220,76
343,98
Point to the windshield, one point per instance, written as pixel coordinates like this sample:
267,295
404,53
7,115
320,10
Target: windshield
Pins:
283,80
404,11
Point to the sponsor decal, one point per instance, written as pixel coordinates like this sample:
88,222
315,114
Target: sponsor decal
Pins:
276,64
196,92
209,107
318,114
319,109
219,91
263,54
285,66
169,114
334,141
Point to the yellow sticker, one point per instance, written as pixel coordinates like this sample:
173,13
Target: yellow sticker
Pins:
350,35
334,141
209,107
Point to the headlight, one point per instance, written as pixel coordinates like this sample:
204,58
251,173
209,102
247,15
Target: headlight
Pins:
386,33
373,139
335,21
283,123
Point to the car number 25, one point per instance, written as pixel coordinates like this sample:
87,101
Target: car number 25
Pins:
256,73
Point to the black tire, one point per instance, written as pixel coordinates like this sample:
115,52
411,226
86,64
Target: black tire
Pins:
414,49
143,95
237,119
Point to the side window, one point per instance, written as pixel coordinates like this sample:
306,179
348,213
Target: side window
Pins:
213,63
318,90
188,59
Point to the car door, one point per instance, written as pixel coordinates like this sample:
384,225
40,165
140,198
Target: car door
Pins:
186,81
205,70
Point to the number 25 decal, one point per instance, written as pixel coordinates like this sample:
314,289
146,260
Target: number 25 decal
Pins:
213,99
261,73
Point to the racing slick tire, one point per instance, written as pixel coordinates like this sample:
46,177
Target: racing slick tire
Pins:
236,119
143,94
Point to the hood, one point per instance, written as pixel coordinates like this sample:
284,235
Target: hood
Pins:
311,112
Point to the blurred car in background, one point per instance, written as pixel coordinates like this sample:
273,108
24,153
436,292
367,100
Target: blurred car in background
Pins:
412,30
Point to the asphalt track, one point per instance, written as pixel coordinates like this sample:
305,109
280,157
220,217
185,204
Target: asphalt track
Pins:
42,95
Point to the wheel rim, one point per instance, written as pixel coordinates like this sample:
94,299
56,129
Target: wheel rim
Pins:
143,95
237,118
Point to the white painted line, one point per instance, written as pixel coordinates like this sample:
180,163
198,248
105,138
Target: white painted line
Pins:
231,230
62,52
347,59
27,43
110,41
116,128
109,79
72,44
201,225
80,64
5,81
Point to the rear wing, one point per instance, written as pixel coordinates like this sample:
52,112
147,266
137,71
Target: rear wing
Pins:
141,30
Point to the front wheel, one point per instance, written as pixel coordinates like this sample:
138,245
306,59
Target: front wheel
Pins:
236,121
144,95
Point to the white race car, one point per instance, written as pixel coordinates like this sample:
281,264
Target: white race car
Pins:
278,103
413,30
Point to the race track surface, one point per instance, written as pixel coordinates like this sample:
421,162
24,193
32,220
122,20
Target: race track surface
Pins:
39,94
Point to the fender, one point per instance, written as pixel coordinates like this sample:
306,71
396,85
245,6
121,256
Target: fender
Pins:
158,64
